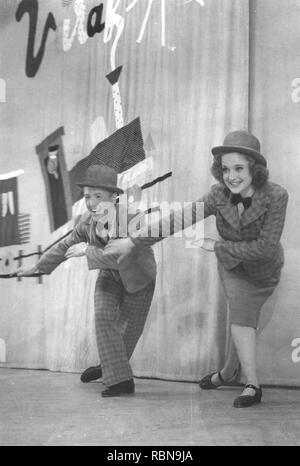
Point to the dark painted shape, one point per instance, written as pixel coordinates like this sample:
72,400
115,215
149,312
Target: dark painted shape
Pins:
113,77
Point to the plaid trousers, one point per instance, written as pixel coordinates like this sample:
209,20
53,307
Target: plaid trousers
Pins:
119,321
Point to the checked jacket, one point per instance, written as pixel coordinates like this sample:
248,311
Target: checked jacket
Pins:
135,274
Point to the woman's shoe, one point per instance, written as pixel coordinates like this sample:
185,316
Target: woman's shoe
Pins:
243,401
207,384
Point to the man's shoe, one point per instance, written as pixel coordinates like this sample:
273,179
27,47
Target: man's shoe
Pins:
243,401
122,388
92,373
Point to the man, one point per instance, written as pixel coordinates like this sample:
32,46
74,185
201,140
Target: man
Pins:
124,289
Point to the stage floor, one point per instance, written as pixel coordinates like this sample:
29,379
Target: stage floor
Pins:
50,408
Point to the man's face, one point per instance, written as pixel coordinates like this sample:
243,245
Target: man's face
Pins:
98,201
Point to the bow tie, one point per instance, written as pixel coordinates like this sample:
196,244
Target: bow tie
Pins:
237,198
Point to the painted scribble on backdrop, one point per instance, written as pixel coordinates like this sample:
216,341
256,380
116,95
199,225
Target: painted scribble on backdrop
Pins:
87,24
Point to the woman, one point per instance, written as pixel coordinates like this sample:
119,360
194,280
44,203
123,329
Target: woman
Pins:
250,214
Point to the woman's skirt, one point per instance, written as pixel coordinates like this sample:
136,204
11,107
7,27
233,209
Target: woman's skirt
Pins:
245,298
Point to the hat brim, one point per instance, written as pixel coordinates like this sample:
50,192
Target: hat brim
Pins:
220,150
113,189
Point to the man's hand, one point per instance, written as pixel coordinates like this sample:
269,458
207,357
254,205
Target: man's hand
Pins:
21,272
76,250
120,248
208,244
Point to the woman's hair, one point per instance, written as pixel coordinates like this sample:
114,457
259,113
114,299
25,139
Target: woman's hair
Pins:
259,173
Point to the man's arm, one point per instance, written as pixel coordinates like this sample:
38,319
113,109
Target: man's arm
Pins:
57,254
97,260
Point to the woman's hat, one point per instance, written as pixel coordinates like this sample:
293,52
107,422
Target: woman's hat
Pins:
101,176
242,142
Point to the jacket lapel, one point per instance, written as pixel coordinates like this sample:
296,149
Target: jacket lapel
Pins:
258,207
228,211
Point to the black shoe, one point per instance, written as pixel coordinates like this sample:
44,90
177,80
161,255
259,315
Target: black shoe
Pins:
207,384
243,401
118,389
92,373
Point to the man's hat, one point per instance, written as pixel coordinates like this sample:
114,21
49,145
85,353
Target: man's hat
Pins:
103,177
242,142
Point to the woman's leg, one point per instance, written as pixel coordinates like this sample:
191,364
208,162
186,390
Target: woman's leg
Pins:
232,359
244,339
230,367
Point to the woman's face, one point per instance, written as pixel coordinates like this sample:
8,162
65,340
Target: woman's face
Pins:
236,173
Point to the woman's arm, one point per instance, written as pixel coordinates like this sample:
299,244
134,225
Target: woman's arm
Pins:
163,227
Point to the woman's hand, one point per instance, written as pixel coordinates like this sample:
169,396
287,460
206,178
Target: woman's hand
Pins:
208,244
25,272
76,250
